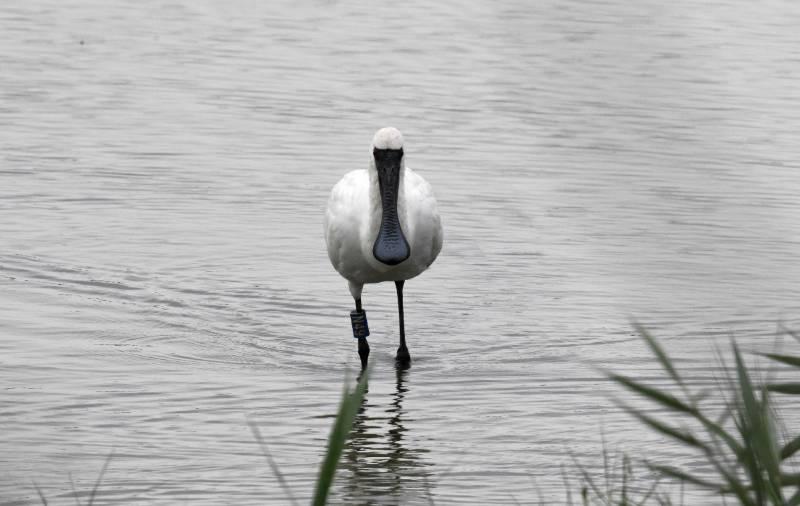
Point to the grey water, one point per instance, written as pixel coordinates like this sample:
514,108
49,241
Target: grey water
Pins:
165,166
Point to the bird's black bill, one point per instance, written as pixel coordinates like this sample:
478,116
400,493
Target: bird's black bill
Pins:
391,246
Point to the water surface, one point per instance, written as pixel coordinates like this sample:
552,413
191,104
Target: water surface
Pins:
164,168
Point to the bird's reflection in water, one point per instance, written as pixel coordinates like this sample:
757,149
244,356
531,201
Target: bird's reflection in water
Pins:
378,467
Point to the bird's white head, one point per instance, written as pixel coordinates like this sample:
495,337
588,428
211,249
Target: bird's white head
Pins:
387,138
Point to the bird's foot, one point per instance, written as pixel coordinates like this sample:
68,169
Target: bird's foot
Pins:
403,358
363,352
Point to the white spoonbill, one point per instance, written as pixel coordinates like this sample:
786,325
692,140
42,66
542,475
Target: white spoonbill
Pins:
382,225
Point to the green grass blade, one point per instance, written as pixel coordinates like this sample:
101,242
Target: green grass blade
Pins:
786,359
662,398
663,500
672,402
74,492
567,486
348,409
100,477
606,468
39,492
751,408
794,500
716,430
702,395
625,477
649,492
272,464
784,388
682,476
587,480
659,352
751,427
791,479
764,464
790,448
770,453
736,486
680,435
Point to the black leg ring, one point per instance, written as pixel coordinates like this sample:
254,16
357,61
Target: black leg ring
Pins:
359,322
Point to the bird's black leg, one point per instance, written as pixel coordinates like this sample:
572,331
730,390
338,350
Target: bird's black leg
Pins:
403,358
361,332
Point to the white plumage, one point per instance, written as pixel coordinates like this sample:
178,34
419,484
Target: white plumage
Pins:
382,224
354,216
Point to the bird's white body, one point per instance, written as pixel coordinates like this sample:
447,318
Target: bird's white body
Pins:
353,219
382,225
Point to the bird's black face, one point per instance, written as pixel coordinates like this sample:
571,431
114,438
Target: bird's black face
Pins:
387,157
391,246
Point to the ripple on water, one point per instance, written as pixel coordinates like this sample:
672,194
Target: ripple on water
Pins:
163,270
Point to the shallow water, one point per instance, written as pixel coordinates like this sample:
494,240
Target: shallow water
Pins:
165,167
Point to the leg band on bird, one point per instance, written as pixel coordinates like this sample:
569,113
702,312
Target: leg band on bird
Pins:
359,321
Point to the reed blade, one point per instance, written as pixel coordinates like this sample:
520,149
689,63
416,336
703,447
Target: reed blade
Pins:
348,409
660,354
786,359
790,448
654,394
790,388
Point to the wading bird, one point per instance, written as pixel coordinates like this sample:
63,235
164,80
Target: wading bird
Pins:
382,225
